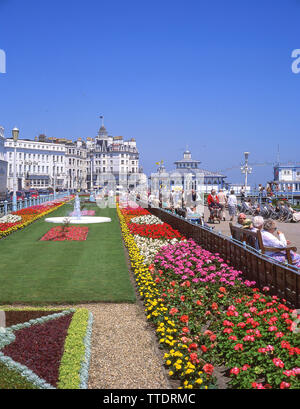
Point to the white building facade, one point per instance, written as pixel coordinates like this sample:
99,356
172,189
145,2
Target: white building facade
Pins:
39,165
287,178
60,163
113,161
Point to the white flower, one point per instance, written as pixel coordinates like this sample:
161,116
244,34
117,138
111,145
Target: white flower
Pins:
10,218
149,219
149,247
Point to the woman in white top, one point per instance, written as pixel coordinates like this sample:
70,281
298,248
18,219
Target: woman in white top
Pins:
232,205
274,238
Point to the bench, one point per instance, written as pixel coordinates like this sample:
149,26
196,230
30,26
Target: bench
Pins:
254,239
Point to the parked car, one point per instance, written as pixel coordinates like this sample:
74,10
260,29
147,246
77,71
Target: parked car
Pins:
33,193
20,195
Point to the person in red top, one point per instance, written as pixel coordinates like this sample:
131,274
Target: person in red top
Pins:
213,200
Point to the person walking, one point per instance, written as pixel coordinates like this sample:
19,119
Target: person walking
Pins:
222,200
232,205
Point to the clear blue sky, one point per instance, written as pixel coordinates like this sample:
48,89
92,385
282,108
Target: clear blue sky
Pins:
213,75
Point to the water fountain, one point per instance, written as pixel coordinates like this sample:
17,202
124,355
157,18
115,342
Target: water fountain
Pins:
78,218
77,212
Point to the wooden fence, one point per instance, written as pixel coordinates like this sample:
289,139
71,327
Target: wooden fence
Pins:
283,281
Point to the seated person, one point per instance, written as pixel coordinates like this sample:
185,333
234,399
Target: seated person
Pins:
274,238
190,211
240,220
258,222
248,225
213,200
296,215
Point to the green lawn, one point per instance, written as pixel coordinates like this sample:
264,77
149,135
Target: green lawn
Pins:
41,272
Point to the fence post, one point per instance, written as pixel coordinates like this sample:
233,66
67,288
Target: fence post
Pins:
5,207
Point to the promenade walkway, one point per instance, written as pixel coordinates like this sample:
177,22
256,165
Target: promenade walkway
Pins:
290,230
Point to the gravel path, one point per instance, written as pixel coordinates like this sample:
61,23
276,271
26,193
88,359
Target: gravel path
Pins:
124,351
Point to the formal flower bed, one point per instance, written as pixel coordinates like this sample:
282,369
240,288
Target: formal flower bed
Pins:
50,350
149,247
137,211
29,215
10,218
62,233
154,231
147,219
207,317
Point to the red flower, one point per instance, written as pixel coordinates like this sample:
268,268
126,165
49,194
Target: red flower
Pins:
284,385
173,311
194,358
184,318
238,347
278,362
203,347
233,337
193,346
227,331
208,368
245,367
234,371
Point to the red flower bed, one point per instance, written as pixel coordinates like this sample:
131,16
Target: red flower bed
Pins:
138,211
6,226
155,231
40,347
60,233
17,317
37,209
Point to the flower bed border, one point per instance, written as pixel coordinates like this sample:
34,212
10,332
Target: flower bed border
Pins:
77,348
165,325
5,233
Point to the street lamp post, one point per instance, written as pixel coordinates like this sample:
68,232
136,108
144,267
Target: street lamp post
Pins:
15,134
54,179
246,169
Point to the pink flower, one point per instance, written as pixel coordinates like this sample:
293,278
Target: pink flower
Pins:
238,347
278,362
249,338
173,311
234,371
289,373
284,385
233,337
245,367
